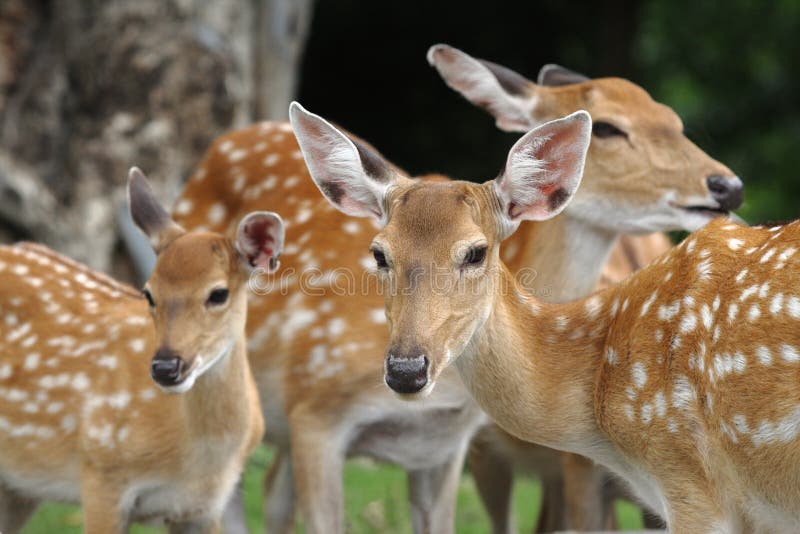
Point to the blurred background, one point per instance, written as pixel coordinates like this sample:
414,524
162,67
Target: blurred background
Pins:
90,87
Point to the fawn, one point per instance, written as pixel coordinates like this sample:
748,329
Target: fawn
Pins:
307,348
136,423
682,379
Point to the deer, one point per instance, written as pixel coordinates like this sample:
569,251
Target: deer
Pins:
681,379
620,141
139,405
307,346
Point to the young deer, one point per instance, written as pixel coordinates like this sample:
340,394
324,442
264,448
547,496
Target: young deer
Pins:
638,148
82,418
308,348
682,379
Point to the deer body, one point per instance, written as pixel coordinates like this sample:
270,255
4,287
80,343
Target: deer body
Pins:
663,383
681,379
83,421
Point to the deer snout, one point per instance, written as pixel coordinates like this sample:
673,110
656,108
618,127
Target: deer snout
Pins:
728,191
166,367
406,373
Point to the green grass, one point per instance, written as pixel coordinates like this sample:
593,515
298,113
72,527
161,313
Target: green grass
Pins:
375,500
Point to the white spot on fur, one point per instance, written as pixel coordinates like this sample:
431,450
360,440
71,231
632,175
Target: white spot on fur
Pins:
183,207
735,244
137,345
639,374
682,393
216,213
777,304
31,361
789,354
647,303
108,361
378,316
733,309
705,314
754,313
667,312
688,323
611,355
764,355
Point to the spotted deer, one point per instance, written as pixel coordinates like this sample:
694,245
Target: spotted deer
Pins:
638,154
682,379
308,347
99,407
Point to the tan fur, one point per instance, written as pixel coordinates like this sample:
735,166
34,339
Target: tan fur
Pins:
262,166
682,378
80,417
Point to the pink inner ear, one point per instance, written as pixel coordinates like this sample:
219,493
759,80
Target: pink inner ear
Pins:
260,246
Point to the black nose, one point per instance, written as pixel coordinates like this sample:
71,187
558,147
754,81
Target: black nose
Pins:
166,367
406,374
727,190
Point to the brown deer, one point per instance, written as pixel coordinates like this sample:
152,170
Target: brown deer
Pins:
136,423
307,348
682,379
637,146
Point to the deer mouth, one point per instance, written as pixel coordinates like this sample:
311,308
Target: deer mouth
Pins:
709,211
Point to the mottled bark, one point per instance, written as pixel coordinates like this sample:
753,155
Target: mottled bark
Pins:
89,88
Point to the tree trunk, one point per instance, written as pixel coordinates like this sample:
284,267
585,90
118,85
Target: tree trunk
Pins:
89,88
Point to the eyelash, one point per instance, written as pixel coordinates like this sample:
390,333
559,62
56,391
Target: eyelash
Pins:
475,256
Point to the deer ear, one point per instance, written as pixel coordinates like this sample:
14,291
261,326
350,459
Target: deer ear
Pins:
501,91
259,239
553,75
148,214
349,174
544,169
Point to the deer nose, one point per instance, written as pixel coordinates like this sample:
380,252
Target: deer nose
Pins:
728,191
406,374
166,367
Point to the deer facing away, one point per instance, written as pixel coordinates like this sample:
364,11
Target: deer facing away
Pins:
308,349
137,423
682,379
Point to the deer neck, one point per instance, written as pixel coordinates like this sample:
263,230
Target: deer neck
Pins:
533,365
561,259
219,397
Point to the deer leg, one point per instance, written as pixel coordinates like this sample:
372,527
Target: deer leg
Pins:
280,495
586,507
494,479
15,510
432,495
552,512
317,462
208,526
100,502
234,516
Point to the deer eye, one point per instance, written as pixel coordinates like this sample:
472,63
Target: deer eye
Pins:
149,298
217,297
380,259
606,129
475,256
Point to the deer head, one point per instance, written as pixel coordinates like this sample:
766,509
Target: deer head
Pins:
660,179
198,290
439,267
